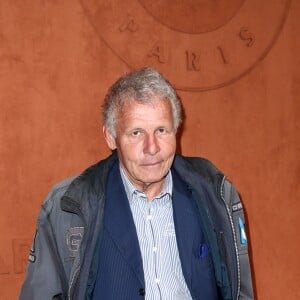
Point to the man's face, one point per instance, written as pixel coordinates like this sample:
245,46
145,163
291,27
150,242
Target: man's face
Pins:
146,143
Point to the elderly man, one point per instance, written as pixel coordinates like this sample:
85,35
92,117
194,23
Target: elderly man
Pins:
145,222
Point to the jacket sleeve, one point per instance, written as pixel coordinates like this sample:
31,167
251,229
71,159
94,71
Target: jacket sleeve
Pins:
45,278
235,207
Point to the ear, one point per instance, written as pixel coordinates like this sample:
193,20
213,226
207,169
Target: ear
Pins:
110,140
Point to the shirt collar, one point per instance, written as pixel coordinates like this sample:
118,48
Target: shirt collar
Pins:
130,189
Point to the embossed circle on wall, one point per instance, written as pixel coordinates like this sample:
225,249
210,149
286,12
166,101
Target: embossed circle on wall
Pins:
215,48
190,16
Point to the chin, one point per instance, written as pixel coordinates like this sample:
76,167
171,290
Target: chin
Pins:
152,179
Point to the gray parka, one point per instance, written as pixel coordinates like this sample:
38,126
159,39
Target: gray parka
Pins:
70,224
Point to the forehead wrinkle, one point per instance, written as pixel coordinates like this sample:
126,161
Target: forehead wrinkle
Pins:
133,103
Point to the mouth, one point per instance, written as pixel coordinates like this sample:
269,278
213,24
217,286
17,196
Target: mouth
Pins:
151,164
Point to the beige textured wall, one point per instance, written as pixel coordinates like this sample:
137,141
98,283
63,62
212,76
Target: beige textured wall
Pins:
237,70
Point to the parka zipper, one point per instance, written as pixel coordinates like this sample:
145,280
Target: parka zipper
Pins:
234,238
79,262
73,279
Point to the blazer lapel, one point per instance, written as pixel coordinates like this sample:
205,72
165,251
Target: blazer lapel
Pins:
118,222
186,225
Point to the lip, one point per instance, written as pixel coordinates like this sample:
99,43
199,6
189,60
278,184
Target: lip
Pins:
152,164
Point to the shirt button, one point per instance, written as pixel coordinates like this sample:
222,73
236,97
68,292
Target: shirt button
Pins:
154,249
156,280
149,217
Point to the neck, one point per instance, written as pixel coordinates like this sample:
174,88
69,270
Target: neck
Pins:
151,190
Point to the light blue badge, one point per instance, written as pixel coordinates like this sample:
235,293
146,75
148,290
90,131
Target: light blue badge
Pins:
242,232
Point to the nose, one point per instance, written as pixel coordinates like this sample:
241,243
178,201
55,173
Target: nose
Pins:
151,144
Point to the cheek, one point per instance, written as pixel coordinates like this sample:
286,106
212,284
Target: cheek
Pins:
131,152
169,147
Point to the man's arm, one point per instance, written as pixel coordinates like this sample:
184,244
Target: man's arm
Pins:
45,278
235,206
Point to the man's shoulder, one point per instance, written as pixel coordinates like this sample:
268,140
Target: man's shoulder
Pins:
199,165
56,193
62,186
193,169
87,176
78,188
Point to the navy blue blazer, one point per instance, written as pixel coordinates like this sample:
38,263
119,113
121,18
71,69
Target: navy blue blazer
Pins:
120,269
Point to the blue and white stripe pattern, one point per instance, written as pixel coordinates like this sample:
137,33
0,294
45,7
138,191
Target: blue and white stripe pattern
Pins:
156,234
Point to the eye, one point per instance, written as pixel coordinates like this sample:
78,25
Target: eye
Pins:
161,130
135,132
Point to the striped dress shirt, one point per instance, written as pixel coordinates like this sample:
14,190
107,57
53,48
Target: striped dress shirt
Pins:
157,239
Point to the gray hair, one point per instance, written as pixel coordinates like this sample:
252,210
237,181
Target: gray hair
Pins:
140,85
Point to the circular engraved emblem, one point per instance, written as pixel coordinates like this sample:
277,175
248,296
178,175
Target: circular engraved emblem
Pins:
198,45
